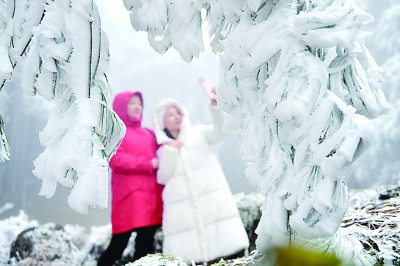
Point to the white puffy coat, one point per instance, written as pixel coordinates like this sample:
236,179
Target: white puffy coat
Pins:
201,221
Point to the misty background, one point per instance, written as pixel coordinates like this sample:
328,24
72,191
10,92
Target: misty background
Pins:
135,65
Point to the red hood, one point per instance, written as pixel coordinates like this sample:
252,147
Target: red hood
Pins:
120,106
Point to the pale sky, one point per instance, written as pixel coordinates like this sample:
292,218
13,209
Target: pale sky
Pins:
135,65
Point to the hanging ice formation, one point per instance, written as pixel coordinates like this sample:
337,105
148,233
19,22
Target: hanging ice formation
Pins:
62,55
299,87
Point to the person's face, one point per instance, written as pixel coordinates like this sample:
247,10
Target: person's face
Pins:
172,119
135,107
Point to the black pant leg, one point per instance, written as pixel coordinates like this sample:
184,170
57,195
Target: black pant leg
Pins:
144,242
115,249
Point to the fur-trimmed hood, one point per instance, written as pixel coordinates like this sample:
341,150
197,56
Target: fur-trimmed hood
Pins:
161,108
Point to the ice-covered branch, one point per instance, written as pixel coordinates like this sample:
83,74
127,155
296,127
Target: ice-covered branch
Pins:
4,147
65,62
169,23
16,23
299,88
385,40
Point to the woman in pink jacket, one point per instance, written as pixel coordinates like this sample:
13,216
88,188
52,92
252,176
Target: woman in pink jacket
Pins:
136,204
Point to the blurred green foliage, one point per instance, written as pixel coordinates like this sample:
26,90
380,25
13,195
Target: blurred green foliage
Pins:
296,256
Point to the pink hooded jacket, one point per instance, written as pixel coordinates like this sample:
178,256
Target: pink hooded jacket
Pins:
136,196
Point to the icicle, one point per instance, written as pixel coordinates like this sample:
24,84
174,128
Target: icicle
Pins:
28,14
4,147
5,42
79,26
88,190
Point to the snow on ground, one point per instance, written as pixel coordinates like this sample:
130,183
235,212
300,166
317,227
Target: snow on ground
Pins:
9,229
373,218
72,244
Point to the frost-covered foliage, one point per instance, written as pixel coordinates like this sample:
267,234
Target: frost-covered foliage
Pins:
5,68
378,162
4,147
158,260
249,206
253,259
10,228
299,87
373,217
61,53
25,242
46,244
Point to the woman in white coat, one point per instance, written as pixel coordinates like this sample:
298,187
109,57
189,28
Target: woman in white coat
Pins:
201,221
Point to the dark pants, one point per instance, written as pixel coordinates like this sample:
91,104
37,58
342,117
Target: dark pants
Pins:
144,244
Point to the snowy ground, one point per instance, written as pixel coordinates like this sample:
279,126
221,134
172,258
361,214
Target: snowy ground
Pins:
373,218
73,245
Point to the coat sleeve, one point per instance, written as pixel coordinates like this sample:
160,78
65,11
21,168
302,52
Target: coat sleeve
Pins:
214,133
168,157
126,162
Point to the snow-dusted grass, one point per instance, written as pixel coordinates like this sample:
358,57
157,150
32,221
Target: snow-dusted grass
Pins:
159,260
373,218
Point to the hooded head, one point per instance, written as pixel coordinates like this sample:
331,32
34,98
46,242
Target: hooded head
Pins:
160,115
120,106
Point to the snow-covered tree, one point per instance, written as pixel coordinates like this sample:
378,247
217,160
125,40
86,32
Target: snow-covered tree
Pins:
61,54
300,89
377,167
5,70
